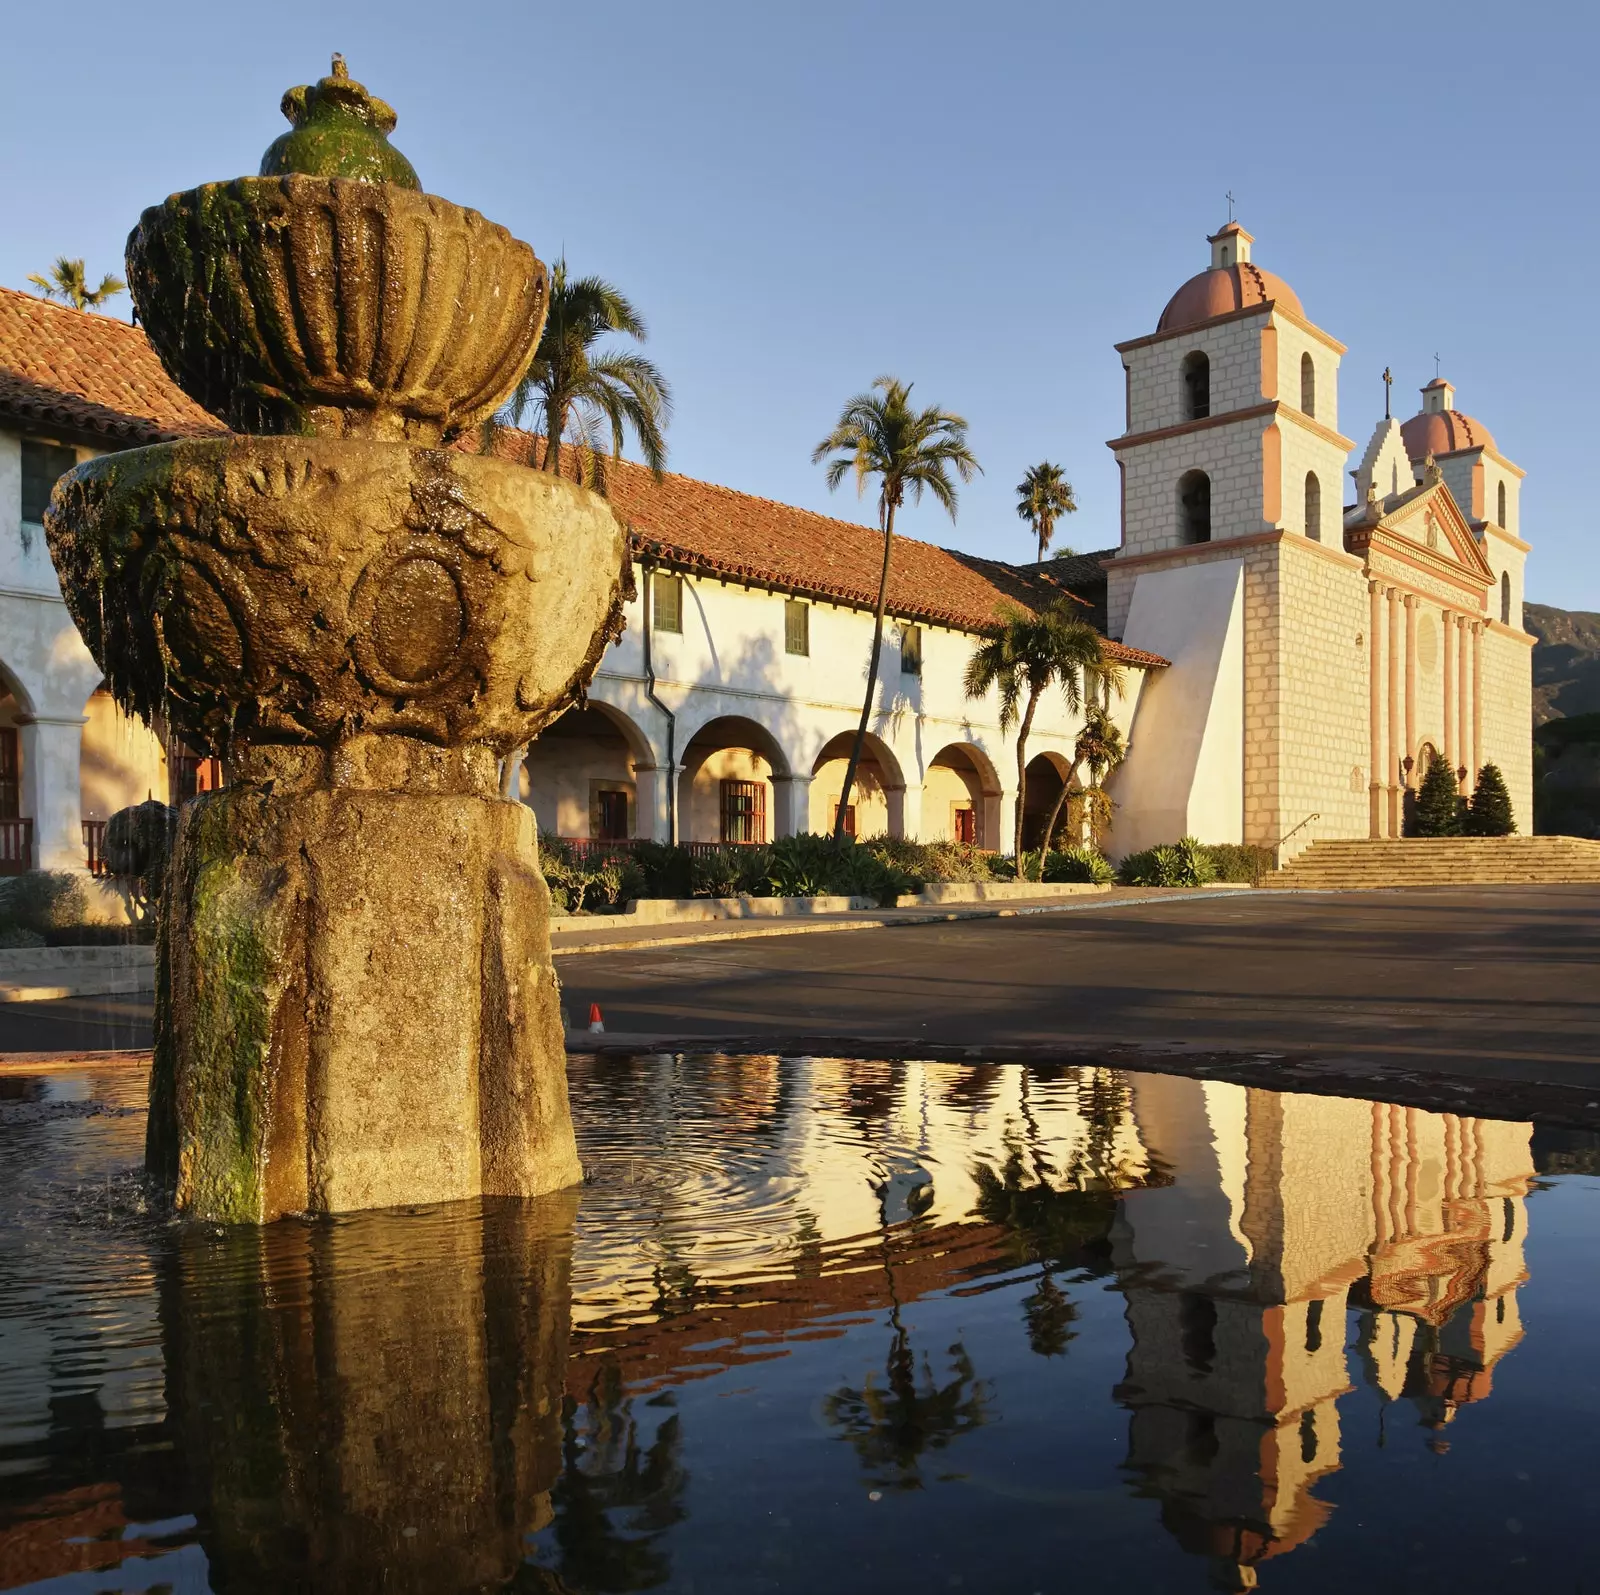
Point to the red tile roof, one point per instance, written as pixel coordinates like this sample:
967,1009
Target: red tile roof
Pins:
87,373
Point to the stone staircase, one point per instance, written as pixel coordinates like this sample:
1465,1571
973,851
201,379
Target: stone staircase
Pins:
1440,861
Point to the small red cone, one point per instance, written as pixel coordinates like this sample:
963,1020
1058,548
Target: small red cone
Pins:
597,1025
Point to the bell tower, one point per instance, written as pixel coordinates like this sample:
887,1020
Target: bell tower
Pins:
1232,514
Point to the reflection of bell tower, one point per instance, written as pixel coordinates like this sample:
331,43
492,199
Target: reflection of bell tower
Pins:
1283,1212
1236,1279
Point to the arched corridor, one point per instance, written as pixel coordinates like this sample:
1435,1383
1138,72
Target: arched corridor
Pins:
877,801
582,776
961,797
735,785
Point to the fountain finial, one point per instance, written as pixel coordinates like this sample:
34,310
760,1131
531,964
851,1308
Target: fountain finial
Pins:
339,131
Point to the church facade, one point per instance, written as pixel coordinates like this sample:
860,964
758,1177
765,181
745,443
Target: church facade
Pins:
1326,643
1298,640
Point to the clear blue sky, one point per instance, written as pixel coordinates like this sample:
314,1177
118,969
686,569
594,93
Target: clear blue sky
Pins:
978,198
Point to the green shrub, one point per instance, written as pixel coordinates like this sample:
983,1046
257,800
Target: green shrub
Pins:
16,936
1084,864
138,846
578,882
1179,864
1240,862
42,901
730,872
918,863
1490,811
664,870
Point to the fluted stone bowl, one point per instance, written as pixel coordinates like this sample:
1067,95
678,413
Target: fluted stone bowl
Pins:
258,590
330,307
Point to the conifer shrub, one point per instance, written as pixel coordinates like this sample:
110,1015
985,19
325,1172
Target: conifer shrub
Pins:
1490,811
1437,808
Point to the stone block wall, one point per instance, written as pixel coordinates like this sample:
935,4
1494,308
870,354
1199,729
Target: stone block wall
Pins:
1300,451
1230,454
1155,372
1325,740
1508,716
1293,342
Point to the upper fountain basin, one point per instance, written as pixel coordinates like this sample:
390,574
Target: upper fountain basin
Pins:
256,590
331,307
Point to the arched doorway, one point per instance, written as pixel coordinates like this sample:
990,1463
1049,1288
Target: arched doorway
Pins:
961,797
16,830
726,792
581,776
877,800
1048,775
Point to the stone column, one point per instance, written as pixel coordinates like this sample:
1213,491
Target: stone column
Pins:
1411,690
997,820
1375,708
905,810
791,804
1449,668
1392,773
50,746
1477,700
1463,691
649,803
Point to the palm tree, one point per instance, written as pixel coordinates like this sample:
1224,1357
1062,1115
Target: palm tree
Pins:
879,434
68,283
1099,749
579,395
1044,495
1028,653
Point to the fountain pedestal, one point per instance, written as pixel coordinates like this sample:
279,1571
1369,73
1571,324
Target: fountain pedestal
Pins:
356,1006
360,1008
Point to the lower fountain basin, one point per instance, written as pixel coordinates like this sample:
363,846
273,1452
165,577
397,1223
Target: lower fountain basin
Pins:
307,590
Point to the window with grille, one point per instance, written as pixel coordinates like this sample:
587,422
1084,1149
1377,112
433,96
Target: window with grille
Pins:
744,811
849,819
796,627
611,816
911,650
10,774
667,596
43,465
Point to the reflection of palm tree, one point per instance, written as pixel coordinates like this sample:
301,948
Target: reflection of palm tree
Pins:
1048,1312
617,1495
892,1424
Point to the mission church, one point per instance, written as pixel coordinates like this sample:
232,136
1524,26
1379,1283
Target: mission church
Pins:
1294,651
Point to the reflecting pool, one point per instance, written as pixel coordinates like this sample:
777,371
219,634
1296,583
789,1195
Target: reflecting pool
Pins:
815,1323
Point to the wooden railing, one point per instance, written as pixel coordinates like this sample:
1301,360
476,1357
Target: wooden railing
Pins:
589,847
94,844
16,846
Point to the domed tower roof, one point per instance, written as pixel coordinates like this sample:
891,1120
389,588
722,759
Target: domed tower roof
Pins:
1440,428
1234,282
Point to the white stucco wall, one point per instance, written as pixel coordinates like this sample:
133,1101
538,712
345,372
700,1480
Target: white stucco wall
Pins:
729,665
1184,774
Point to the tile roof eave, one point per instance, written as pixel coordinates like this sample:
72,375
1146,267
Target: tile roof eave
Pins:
649,548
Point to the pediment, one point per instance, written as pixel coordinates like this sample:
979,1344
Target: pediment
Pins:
1428,521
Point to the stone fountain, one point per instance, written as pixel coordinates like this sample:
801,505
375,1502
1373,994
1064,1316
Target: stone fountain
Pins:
356,1003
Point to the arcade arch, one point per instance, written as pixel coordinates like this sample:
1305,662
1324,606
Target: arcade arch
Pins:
584,776
733,775
878,797
961,795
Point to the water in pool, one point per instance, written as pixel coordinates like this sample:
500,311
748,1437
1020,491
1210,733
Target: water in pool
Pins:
821,1324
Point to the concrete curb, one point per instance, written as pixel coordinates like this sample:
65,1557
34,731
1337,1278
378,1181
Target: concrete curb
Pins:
45,974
